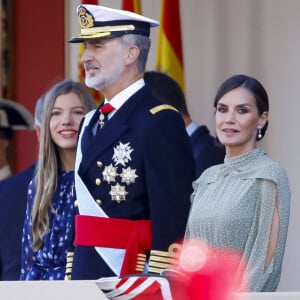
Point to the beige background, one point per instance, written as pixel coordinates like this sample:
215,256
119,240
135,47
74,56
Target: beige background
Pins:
260,38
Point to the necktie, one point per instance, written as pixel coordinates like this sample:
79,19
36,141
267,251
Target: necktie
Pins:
104,111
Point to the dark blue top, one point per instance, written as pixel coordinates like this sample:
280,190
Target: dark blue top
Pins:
13,200
49,263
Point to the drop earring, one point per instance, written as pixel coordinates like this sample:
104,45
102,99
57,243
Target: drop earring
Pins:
259,134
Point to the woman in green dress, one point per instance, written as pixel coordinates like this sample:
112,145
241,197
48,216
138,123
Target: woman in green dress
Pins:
244,203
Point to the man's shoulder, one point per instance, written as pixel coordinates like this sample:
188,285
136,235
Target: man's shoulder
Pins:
17,180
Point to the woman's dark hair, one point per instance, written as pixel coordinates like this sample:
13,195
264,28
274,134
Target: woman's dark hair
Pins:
252,85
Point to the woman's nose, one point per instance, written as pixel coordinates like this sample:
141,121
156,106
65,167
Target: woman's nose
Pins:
230,117
67,118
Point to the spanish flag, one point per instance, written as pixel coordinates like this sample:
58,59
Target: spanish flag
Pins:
169,55
81,73
132,5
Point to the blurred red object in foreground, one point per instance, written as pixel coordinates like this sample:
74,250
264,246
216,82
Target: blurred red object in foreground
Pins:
206,273
202,273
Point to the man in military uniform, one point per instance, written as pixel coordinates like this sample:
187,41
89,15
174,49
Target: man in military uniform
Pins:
134,165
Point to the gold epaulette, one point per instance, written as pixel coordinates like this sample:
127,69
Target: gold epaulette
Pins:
69,264
161,107
161,260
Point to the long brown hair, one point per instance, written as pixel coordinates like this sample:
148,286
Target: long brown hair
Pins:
48,159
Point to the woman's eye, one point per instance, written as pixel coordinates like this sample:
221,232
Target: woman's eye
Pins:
55,113
242,110
79,112
222,109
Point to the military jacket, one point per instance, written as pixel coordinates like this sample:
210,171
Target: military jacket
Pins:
139,166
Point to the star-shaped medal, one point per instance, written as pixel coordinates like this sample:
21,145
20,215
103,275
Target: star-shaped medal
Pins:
118,193
122,154
128,175
109,173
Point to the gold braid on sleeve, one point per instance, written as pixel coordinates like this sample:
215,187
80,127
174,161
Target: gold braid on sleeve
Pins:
69,264
161,260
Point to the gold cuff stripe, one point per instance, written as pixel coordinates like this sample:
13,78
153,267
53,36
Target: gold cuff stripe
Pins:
161,107
140,262
155,270
159,265
160,260
103,29
141,258
162,253
166,260
141,255
69,265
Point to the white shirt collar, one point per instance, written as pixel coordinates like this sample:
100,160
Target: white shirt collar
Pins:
5,172
191,128
118,100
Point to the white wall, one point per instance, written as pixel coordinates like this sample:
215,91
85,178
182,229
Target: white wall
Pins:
256,37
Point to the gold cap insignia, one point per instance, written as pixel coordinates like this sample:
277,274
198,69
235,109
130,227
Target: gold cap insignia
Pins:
86,20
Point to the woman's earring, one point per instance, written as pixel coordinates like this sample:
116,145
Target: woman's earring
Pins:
259,134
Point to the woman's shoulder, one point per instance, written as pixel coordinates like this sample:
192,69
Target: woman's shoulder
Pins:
268,168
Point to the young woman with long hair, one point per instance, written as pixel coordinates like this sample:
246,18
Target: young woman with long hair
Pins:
49,223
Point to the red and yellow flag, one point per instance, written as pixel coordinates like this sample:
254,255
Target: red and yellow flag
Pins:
132,5
81,72
169,55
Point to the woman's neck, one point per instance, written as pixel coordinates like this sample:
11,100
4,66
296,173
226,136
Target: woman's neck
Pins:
67,159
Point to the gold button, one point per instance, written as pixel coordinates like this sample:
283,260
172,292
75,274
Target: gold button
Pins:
76,203
98,181
99,202
99,164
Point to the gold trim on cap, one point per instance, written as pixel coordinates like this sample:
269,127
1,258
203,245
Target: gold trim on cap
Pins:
93,36
89,31
161,107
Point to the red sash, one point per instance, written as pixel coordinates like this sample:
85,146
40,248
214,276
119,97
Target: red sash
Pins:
134,236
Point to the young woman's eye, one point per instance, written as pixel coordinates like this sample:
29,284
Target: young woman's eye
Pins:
221,109
79,112
55,113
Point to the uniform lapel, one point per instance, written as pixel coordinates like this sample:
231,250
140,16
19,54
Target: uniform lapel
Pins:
111,132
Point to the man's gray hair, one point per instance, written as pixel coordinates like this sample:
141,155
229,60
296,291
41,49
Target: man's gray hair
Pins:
143,42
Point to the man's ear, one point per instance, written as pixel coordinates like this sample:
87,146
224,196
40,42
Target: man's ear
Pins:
132,54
